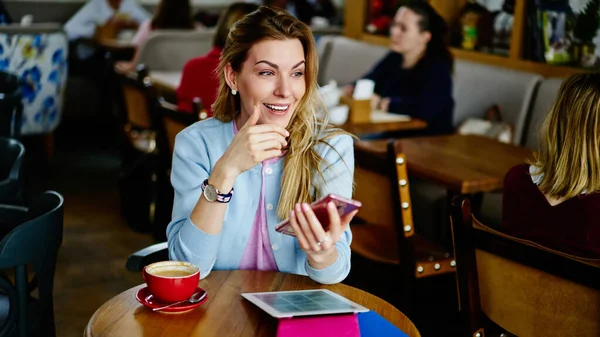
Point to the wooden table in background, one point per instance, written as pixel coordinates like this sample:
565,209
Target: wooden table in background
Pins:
463,164
370,128
225,313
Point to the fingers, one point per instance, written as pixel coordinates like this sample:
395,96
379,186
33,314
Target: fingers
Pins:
311,236
272,144
384,104
269,128
304,244
348,90
323,239
334,222
256,139
375,100
266,155
253,117
345,222
346,218
304,226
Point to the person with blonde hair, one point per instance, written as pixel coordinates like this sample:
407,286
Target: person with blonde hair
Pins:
555,200
199,78
264,157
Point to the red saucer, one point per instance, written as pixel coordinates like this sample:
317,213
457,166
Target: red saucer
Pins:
145,297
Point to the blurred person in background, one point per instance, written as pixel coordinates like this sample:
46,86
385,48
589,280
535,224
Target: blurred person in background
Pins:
415,76
97,16
171,14
99,19
305,10
554,200
199,79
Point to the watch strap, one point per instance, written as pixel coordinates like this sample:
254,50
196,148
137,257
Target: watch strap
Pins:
221,197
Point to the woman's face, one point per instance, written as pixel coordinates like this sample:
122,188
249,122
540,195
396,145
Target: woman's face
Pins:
405,34
273,78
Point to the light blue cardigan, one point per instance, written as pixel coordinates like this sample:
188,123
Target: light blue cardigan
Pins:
197,149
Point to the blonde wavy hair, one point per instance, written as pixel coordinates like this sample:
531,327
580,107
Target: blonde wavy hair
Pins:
306,130
569,140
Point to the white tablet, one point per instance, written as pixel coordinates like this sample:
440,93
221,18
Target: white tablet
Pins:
283,304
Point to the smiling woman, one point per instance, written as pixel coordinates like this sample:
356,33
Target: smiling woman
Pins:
266,144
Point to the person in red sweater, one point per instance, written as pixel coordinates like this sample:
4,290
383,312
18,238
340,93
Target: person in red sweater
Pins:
198,79
555,201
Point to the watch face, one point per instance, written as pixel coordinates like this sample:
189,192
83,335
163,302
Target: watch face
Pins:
210,193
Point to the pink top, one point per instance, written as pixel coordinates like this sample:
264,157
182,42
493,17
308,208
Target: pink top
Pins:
258,254
142,33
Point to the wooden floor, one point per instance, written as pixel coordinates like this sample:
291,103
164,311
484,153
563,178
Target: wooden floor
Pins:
97,241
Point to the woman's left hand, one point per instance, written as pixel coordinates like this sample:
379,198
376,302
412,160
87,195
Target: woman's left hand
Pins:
318,244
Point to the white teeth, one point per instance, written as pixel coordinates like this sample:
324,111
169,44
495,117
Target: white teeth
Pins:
278,108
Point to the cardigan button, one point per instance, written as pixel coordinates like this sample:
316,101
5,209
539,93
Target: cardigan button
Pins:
268,170
270,207
275,246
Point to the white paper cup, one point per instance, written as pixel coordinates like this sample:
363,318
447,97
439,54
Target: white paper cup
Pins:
363,89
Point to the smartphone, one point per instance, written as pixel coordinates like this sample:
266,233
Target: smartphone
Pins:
319,207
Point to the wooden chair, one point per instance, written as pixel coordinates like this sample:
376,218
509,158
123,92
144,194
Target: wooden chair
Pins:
174,121
387,233
510,286
141,163
150,125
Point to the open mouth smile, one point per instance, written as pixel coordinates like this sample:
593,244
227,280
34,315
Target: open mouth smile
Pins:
277,109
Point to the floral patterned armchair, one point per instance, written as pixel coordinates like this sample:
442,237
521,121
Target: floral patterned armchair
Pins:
38,55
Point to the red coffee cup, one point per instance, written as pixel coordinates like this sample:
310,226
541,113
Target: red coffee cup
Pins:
171,281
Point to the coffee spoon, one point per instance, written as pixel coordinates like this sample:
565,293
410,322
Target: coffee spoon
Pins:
195,298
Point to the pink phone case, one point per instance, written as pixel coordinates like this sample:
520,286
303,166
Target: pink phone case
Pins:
319,207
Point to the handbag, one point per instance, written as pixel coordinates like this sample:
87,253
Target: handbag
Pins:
492,126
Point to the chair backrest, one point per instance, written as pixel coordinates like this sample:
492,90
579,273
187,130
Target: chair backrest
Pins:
382,185
515,285
345,60
11,157
544,98
35,241
373,187
169,50
323,49
139,98
174,121
477,87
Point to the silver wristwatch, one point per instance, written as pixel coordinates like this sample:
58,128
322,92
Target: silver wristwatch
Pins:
211,194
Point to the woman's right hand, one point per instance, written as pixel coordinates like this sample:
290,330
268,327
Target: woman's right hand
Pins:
253,144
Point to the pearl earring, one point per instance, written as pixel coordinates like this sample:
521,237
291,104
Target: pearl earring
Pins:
233,92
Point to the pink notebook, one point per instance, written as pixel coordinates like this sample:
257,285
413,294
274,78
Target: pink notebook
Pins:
319,326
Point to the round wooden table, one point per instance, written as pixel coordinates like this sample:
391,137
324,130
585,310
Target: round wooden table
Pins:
226,313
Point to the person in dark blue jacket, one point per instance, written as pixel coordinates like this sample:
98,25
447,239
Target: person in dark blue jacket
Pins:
415,77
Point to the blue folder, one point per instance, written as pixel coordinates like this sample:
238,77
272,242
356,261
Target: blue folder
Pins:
371,324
